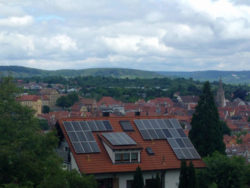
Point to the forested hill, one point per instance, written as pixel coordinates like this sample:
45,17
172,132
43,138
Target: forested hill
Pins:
18,71
232,77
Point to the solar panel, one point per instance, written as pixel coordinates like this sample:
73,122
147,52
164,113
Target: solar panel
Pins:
179,153
81,136
167,133
99,125
181,133
175,123
145,135
119,138
126,126
170,130
180,142
107,125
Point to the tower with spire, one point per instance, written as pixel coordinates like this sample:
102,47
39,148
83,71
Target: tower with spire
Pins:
220,98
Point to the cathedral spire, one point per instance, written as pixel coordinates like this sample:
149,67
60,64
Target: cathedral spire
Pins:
220,98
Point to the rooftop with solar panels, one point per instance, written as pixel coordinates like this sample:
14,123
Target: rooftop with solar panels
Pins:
119,144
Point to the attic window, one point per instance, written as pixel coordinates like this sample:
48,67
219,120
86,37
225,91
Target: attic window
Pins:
126,126
149,151
127,157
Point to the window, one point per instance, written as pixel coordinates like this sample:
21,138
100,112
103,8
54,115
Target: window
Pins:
129,183
126,157
134,157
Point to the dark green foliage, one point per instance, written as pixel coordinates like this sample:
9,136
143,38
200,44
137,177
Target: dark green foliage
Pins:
183,178
225,128
67,101
191,176
43,124
138,181
224,172
45,109
206,133
157,181
27,156
240,93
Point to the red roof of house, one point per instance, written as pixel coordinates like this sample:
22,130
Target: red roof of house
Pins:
108,101
162,100
95,163
28,98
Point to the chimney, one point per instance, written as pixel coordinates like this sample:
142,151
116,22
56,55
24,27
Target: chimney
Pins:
105,114
137,113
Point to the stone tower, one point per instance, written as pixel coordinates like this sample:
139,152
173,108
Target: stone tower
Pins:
220,98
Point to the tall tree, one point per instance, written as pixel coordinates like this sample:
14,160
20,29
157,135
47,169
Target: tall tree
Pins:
138,179
206,133
183,178
191,176
27,157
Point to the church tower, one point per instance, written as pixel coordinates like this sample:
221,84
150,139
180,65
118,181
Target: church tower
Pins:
220,98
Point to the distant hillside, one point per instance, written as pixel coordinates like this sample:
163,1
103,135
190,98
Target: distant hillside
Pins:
231,77
18,71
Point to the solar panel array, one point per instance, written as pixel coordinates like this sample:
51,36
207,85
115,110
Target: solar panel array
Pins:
119,139
99,125
126,125
81,136
171,130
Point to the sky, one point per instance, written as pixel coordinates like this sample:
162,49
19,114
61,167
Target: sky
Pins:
156,35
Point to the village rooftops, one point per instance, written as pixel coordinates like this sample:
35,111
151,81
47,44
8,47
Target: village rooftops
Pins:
102,145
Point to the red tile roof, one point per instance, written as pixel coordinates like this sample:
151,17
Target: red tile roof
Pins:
162,100
95,163
28,98
108,101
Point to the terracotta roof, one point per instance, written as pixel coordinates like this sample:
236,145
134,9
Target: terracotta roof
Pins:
28,98
95,163
108,101
87,101
162,100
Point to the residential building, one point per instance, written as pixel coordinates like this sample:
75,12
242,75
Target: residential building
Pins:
52,94
32,101
111,148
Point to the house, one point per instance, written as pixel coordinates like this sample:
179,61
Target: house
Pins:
32,101
111,148
52,94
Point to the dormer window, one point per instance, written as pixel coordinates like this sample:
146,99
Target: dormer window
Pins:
121,147
127,157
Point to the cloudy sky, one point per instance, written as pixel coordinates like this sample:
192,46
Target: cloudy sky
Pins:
166,35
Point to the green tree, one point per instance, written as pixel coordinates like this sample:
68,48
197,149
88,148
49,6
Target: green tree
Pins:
45,109
191,176
138,179
206,133
67,101
224,172
157,181
183,178
27,157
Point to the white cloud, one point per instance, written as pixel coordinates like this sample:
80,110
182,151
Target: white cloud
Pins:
63,42
152,35
16,21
